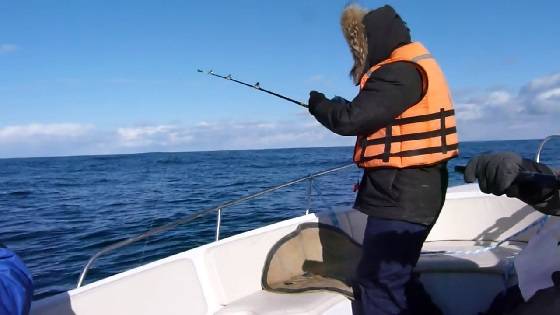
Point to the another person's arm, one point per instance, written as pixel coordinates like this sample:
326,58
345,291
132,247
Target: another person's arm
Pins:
496,174
16,285
388,92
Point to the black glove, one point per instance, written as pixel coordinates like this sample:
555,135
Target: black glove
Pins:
314,99
495,172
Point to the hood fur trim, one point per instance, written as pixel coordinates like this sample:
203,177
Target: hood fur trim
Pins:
354,32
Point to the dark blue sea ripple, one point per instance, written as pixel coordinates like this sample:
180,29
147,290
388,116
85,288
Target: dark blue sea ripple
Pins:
57,212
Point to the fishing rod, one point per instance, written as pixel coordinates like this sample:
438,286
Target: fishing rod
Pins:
256,86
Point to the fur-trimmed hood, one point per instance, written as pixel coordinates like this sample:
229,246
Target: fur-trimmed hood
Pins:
372,36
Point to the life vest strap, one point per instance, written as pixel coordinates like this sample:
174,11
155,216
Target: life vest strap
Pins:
388,140
443,134
423,118
363,144
422,57
416,136
411,153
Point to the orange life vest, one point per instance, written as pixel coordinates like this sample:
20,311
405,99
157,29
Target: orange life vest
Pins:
424,134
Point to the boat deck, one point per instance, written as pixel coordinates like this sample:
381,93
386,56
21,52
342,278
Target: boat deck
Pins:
224,277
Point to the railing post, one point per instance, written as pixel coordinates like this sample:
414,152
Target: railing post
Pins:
218,224
192,216
309,187
541,147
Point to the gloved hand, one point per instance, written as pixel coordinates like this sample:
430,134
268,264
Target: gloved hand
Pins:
495,172
314,99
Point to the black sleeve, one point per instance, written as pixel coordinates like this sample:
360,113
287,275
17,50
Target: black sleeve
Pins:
543,199
389,92
541,196
551,205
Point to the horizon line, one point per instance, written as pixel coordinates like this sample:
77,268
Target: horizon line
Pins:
220,150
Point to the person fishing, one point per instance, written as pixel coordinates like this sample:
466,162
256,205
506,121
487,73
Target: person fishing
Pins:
16,284
538,264
404,121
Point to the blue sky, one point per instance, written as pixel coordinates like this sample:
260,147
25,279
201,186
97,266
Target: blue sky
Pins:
102,77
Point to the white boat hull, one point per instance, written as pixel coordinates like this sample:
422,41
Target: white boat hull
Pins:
224,277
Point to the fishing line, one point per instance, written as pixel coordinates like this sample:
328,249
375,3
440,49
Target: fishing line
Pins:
255,86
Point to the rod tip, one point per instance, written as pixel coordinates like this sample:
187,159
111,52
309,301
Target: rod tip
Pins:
198,70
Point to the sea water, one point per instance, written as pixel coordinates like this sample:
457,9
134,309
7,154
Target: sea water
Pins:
57,212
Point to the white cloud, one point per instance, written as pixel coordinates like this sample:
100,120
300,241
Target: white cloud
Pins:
36,132
79,139
542,96
545,82
483,105
8,48
139,133
498,98
159,135
531,112
37,139
237,135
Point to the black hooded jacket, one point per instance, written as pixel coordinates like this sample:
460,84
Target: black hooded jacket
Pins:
413,194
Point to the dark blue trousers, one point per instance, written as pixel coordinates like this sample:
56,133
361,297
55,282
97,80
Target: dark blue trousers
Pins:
384,283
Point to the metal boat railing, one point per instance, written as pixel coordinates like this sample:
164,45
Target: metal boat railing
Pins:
218,209
541,146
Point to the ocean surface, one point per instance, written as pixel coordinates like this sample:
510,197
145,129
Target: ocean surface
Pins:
57,212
